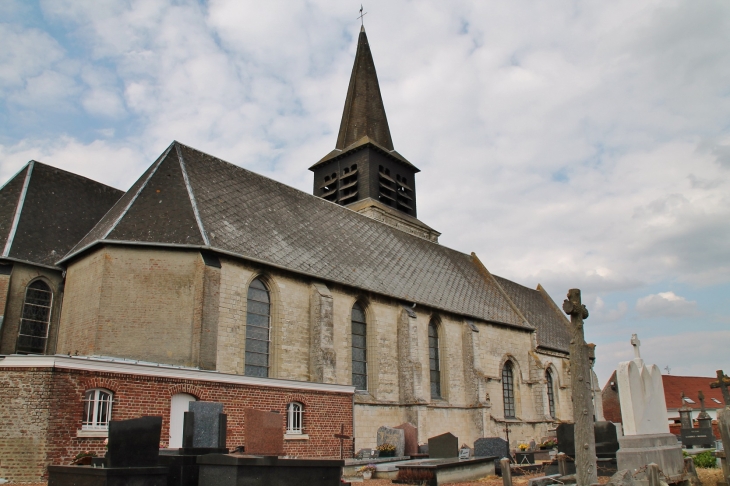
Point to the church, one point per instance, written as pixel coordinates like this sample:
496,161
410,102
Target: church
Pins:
205,281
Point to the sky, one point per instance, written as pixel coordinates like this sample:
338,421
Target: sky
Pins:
576,144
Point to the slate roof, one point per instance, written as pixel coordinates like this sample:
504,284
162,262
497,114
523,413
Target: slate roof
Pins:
552,327
188,198
45,211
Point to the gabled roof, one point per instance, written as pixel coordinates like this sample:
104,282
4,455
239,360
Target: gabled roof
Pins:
191,199
45,211
552,327
674,386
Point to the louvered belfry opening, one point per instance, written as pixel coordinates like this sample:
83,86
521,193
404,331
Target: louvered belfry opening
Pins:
364,164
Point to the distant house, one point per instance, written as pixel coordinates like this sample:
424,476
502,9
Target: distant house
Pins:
674,386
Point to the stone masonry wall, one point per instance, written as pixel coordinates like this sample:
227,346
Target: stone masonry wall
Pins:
41,411
135,303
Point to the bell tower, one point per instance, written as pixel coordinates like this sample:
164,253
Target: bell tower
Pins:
364,172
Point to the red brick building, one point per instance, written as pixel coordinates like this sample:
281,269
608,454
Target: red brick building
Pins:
674,386
44,417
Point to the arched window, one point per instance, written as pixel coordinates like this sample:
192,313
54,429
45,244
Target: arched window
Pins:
433,359
550,393
258,330
36,319
97,409
359,348
508,390
294,416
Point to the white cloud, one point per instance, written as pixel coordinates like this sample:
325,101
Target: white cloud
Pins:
571,147
665,304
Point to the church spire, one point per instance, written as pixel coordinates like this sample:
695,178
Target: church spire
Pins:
364,113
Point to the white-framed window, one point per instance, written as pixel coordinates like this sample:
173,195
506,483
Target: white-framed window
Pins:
294,418
97,409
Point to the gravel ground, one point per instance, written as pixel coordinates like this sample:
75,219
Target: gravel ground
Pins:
708,477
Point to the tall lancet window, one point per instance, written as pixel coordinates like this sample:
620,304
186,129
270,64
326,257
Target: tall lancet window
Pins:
433,359
258,329
550,393
33,332
359,348
508,390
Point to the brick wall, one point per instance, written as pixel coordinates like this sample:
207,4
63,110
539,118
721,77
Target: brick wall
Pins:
41,411
611,403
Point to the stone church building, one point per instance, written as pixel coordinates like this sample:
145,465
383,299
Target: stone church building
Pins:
207,281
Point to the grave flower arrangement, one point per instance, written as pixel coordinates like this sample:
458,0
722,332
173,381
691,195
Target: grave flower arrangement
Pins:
523,447
386,450
83,458
549,444
369,467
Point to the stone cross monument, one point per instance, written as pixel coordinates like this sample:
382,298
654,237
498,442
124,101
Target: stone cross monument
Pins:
580,371
723,422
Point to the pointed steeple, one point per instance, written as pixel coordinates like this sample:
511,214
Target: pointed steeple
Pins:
364,113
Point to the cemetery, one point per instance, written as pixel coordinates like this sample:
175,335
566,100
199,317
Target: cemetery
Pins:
640,451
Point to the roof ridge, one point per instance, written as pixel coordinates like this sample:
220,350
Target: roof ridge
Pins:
121,216
543,293
18,208
489,276
191,195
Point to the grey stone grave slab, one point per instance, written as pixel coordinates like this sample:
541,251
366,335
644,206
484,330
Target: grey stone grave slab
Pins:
491,447
204,426
443,446
396,437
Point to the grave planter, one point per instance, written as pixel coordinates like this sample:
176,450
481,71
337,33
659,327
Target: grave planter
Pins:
525,457
367,474
387,454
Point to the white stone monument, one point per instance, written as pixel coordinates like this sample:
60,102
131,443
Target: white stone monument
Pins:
646,437
641,393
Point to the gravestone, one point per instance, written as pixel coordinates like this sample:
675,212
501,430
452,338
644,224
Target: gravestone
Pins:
264,432
723,423
604,433
204,426
443,446
134,443
491,446
646,437
134,447
204,432
701,436
410,437
393,436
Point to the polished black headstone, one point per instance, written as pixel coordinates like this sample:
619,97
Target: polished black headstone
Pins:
491,446
135,442
606,439
443,446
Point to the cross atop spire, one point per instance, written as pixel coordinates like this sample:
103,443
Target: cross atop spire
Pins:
362,22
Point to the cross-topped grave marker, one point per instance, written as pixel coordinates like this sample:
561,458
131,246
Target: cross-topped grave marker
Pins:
722,383
580,369
342,436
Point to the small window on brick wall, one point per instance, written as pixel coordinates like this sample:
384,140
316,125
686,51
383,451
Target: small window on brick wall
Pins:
294,416
97,409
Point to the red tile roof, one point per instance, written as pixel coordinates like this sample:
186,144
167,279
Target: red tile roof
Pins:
690,385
